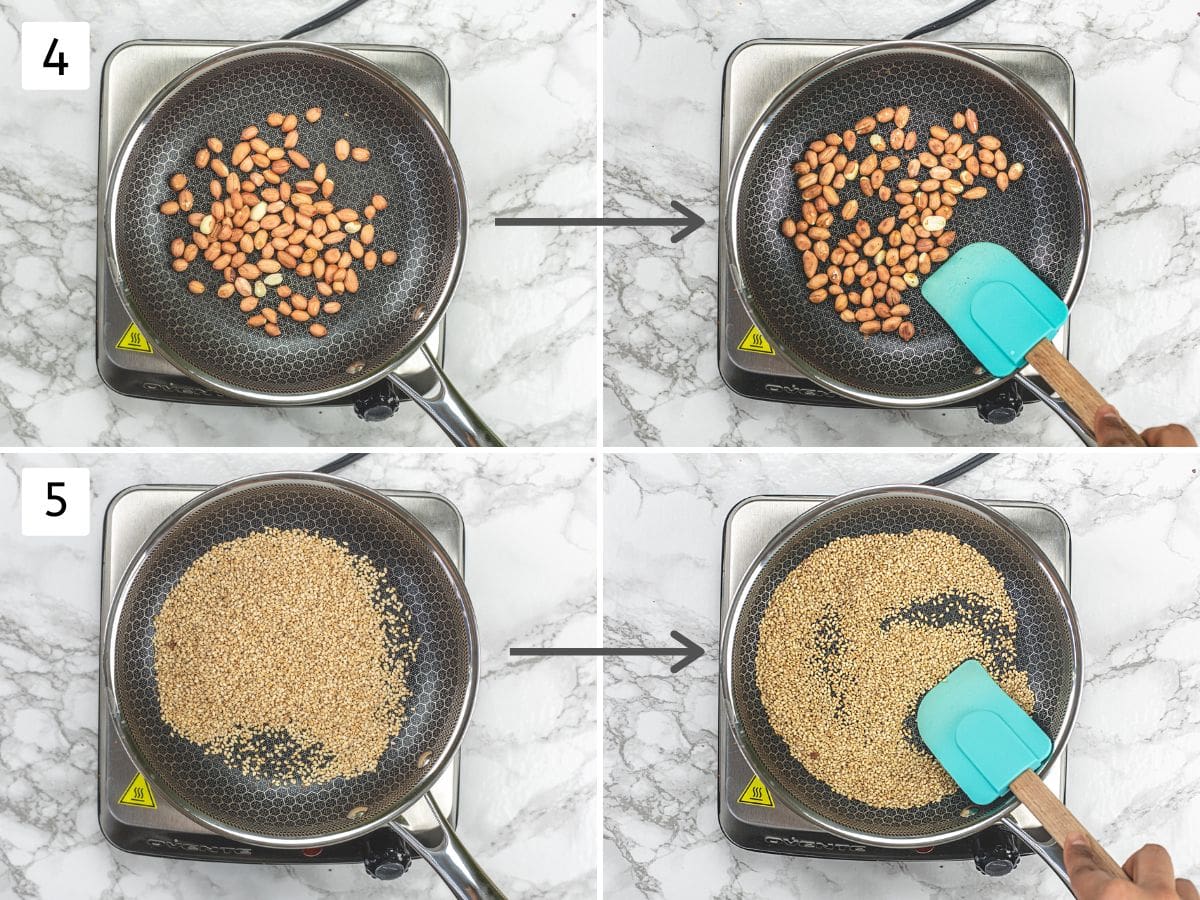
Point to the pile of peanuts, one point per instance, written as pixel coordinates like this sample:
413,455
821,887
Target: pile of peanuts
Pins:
867,271
258,224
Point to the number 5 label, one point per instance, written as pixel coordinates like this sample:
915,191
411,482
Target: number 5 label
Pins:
56,56
56,502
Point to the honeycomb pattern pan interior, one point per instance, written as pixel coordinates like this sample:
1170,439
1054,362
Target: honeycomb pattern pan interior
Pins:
411,164
1042,218
1045,650
441,681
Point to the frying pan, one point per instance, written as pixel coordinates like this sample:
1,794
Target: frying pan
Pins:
1047,648
387,321
441,680
1045,218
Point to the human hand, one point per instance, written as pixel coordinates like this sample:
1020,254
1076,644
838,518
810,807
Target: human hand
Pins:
1107,429
1151,873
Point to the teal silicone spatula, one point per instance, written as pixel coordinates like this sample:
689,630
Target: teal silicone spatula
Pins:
1007,316
991,746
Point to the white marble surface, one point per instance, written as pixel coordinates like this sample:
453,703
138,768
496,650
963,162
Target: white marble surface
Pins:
528,808
521,339
1132,776
1138,123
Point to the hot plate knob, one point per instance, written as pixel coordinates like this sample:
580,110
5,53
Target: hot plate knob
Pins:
376,403
387,862
996,853
1001,406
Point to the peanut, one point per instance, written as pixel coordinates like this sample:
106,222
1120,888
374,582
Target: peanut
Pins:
259,223
884,261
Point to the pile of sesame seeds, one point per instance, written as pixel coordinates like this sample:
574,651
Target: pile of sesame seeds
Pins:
855,636
284,653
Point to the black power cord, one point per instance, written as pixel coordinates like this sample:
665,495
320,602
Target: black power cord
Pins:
336,13
947,20
961,469
336,465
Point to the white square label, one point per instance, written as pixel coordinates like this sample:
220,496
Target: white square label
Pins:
56,56
56,502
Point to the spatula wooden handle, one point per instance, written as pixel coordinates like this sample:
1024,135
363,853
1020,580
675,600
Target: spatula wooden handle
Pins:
1075,390
1058,820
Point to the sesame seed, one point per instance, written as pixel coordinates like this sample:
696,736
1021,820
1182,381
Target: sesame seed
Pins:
284,653
857,634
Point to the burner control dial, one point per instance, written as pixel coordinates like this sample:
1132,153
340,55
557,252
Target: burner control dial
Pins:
376,403
386,858
1001,406
996,853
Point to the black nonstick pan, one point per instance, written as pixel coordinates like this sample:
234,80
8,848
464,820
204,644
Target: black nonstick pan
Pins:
1047,649
387,321
441,678
1044,218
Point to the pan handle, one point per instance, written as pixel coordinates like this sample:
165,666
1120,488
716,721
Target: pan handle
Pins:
1050,852
1083,430
428,834
446,406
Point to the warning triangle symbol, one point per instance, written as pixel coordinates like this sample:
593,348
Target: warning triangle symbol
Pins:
133,339
756,794
754,342
138,793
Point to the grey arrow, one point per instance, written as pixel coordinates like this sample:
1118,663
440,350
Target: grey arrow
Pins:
690,221
689,651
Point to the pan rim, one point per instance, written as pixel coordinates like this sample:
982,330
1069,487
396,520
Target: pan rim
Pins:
437,305
741,595
109,663
758,132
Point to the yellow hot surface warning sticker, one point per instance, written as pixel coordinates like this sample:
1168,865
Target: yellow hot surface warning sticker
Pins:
756,794
138,793
754,342
133,339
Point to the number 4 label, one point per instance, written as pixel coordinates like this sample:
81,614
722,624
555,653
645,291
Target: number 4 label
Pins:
56,56
56,502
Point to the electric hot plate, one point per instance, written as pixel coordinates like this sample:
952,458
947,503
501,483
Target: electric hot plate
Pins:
132,817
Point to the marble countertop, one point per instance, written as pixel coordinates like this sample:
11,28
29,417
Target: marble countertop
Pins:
528,808
1137,127
1131,769
521,338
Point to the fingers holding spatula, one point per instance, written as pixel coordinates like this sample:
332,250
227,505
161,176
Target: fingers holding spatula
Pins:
990,746
1007,317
